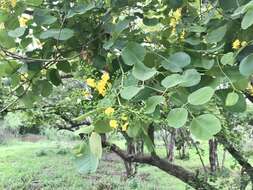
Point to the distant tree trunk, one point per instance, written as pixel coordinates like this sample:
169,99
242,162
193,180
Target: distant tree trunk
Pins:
130,166
171,145
140,147
213,156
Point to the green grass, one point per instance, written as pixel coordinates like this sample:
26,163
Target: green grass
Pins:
48,165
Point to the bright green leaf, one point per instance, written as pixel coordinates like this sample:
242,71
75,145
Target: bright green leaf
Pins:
246,65
57,34
190,77
141,72
171,80
177,117
176,62
201,96
247,20
96,144
85,130
133,54
129,92
205,126
152,102
231,99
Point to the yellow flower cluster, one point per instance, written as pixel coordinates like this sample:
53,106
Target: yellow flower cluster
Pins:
13,3
109,111
101,85
23,20
250,89
113,123
237,44
175,19
86,93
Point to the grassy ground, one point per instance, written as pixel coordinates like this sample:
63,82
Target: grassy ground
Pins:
48,165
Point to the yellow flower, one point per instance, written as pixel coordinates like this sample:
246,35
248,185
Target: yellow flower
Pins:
236,44
124,127
113,123
124,118
177,14
182,35
91,82
101,87
244,43
13,3
105,77
23,19
86,93
109,111
250,89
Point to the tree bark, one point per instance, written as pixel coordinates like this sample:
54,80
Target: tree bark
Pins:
175,170
237,155
213,156
171,146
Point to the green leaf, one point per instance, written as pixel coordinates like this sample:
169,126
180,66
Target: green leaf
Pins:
42,17
177,117
5,40
81,8
232,99
64,66
171,80
141,72
85,160
133,54
133,131
176,62
85,130
57,34
201,96
18,32
190,77
129,92
96,144
246,65
46,88
152,102
102,126
216,35
33,2
228,59
54,77
247,20
205,126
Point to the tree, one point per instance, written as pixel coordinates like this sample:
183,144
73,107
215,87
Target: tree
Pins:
147,63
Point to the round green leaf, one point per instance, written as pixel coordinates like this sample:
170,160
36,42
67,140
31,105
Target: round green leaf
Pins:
129,92
216,35
177,117
247,20
201,96
205,126
18,32
152,102
190,77
95,144
141,72
133,53
228,59
57,34
54,77
46,88
85,130
176,62
171,80
246,65
232,99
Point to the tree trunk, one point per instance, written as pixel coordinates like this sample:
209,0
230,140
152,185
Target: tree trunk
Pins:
213,156
171,145
177,171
